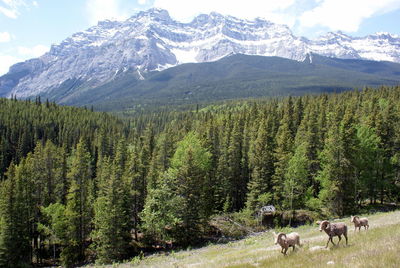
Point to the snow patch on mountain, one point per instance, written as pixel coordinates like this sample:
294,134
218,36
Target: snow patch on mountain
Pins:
184,55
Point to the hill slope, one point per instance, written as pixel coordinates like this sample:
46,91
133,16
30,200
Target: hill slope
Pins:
377,247
236,76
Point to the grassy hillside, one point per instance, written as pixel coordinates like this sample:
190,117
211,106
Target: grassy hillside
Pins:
377,247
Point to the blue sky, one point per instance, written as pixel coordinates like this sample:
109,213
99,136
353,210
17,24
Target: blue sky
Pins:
29,27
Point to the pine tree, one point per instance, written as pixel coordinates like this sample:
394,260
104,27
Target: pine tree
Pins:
261,166
54,224
7,228
348,137
367,160
161,212
236,183
79,206
161,157
385,130
184,184
296,178
211,143
283,151
112,222
222,182
16,218
49,171
336,176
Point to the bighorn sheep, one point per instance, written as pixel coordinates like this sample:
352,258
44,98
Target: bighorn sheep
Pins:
333,229
359,222
286,241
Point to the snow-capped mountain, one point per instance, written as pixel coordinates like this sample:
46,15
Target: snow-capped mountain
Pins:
378,47
151,41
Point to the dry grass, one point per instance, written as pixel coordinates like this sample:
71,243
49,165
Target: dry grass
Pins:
377,247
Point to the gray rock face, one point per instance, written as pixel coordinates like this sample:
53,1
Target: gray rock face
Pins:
151,40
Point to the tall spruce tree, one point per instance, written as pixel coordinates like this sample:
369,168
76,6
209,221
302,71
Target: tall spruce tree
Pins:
349,140
235,183
112,221
283,151
261,166
222,182
336,175
16,217
296,178
367,161
183,184
79,208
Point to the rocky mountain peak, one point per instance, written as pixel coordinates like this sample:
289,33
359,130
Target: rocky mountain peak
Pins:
151,40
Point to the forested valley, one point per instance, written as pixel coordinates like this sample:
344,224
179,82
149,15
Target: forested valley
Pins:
78,186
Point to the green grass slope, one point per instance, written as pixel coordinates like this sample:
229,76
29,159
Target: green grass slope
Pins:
377,247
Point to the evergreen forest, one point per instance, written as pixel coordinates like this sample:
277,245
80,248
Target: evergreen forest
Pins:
79,186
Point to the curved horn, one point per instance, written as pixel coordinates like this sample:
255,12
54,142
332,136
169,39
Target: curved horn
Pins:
323,225
280,235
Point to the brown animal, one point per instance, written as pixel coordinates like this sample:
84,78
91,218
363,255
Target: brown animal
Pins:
287,240
333,229
359,222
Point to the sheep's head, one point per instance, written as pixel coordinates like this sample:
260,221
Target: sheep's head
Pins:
323,225
353,218
279,237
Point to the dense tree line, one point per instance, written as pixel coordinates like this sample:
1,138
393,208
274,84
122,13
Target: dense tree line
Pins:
80,185
24,123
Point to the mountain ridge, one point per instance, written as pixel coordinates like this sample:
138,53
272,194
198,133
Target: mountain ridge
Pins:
152,41
233,77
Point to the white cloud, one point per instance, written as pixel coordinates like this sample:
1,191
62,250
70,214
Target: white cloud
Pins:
11,8
304,16
105,9
345,15
5,62
32,52
5,37
269,9
13,14
142,2
20,54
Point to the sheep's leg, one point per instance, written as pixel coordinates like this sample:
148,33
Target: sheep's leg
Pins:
345,236
294,247
285,251
340,238
329,239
